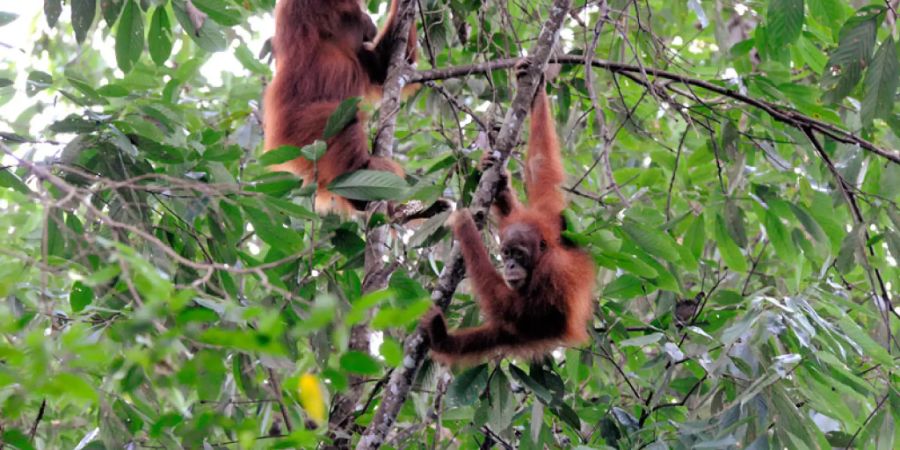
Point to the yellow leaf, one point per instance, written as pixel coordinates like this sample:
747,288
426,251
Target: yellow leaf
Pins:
311,398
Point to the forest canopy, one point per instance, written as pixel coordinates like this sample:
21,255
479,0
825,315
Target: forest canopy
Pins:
731,168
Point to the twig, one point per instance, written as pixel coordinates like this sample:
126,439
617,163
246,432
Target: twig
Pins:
37,420
866,422
874,275
777,112
279,398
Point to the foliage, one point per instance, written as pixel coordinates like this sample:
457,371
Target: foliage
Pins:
161,288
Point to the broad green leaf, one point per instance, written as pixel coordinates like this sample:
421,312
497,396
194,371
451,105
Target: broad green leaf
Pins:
785,21
695,238
730,252
391,351
159,38
467,386
314,151
111,10
830,13
369,185
641,341
846,64
861,337
81,296
209,36
250,61
290,208
16,438
359,363
129,36
222,153
224,12
341,117
893,241
502,402
6,18
272,232
780,238
625,287
652,241
8,179
37,82
83,14
846,258
541,392
52,10
280,155
881,82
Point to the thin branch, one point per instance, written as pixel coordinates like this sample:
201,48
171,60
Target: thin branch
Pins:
377,269
37,420
777,112
868,418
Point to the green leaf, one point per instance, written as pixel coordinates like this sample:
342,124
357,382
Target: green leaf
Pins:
314,151
52,10
37,82
502,402
625,287
113,90
280,155
541,392
846,258
391,351
728,249
846,64
7,18
129,37
881,83
861,337
81,296
341,117
652,241
250,61
785,21
369,185
17,439
8,179
642,341
290,208
893,242
780,238
467,386
359,363
695,238
223,153
159,38
111,10
272,233
209,36
830,13
83,14
224,12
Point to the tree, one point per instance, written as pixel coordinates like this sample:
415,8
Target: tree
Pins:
732,169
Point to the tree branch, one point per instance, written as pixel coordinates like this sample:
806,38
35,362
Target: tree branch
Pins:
378,270
414,347
777,112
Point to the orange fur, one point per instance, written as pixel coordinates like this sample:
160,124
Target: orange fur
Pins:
327,51
555,304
